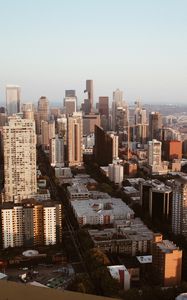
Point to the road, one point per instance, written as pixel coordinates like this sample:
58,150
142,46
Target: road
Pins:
59,194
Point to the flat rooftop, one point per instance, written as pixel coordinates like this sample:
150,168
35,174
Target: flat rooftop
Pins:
110,206
134,230
77,189
130,190
167,246
157,186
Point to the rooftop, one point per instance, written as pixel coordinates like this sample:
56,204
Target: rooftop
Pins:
167,246
146,259
157,185
134,230
110,206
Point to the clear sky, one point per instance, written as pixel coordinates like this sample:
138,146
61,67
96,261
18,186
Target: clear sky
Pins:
139,46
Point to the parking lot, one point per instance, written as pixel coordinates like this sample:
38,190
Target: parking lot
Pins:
53,276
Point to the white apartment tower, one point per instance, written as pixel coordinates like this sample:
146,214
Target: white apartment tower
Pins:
75,139
115,145
7,221
56,152
19,142
154,153
12,99
12,226
30,223
49,215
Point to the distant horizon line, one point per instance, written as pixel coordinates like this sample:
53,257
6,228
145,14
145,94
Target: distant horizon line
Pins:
58,102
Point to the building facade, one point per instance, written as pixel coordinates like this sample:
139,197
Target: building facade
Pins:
19,142
12,99
75,139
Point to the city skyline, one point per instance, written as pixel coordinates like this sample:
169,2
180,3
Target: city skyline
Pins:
138,47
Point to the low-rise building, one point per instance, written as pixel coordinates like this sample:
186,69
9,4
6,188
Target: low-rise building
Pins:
130,237
78,192
121,274
101,211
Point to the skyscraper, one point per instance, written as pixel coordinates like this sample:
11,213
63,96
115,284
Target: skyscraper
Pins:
19,140
56,151
104,106
120,113
88,103
154,152
43,112
179,206
104,112
28,110
12,99
47,133
75,139
70,93
155,125
89,122
70,102
106,146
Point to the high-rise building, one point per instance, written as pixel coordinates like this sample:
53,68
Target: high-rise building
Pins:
12,99
115,173
70,104
70,93
3,119
156,200
139,114
43,111
118,97
89,122
27,106
62,128
154,152
56,151
140,128
179,206
172,150
49,213
88,103
115,145
170,134
75,139
155,125
19,141
106,146
7,221
30,224
167,261
28,110
104,106
121,119
47,133
120,113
